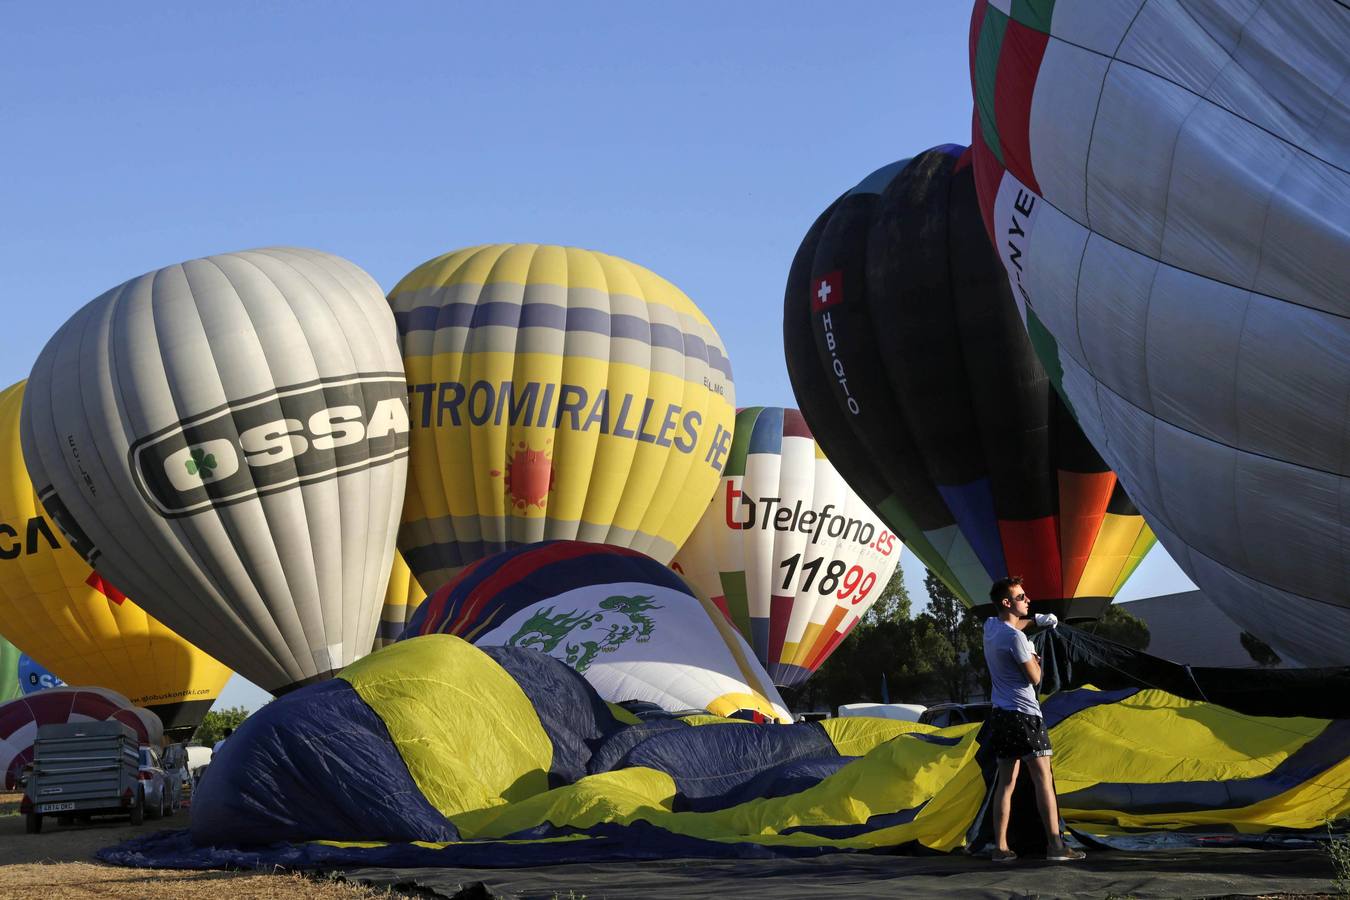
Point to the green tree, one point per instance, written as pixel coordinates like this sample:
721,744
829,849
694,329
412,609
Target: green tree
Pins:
893,605
961,669
216,721
1261,653
1122,627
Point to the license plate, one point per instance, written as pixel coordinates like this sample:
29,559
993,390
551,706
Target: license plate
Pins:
54,807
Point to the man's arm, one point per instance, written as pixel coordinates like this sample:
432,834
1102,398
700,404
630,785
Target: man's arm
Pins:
1032,667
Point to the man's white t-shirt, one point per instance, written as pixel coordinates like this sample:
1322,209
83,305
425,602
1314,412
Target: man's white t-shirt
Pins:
216,747
1005,649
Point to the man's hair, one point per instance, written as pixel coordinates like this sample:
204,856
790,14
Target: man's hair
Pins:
1002,589
229,731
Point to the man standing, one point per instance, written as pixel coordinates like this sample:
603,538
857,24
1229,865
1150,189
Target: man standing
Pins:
1015,723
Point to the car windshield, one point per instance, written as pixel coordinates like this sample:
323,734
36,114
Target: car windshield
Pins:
146,759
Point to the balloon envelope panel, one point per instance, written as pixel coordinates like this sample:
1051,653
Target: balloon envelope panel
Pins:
10,684
1167,185
34,677
910,363
19,721
401,599
557,393
785,548
75,625
434,752
227,441
631,626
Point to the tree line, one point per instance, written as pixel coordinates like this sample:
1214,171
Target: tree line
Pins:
894,656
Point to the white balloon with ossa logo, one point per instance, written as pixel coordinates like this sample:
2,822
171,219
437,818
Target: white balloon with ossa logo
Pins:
226,440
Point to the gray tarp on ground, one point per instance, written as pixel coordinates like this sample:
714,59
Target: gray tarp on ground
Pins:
1180,873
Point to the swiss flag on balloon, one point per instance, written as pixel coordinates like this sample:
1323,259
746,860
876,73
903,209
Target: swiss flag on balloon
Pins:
96,582
827,290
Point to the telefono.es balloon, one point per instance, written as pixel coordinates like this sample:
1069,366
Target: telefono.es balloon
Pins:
786,549
1167,187
556,393
908,358
226,440
73,623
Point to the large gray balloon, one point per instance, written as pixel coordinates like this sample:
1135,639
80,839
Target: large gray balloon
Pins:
226,440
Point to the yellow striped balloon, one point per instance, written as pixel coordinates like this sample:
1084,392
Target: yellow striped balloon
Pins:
401,600
555,393
66,617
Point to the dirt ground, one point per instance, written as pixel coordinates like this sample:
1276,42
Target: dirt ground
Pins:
59,864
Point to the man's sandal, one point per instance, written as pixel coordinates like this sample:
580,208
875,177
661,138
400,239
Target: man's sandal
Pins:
1003,856
1065,854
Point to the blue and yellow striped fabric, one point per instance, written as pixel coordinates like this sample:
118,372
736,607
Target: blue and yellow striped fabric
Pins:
435,752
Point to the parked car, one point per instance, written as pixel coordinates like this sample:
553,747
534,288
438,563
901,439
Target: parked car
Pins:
158,789
942,715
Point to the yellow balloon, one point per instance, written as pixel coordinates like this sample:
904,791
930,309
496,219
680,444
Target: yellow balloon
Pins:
401,600
65,616
556,393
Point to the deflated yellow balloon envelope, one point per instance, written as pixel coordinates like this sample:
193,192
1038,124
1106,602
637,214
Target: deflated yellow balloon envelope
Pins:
556,393
64,615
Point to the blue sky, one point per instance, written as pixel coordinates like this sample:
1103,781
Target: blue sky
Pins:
700,140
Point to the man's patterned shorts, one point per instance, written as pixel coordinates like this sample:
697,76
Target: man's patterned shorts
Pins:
1016,735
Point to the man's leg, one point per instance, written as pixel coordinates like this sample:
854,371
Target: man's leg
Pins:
1039,767
1003,791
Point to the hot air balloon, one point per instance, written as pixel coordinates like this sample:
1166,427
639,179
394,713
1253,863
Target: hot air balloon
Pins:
401,600
1167,187
19,721
34,677
785,548
226,441
64,615
10,686
913,369
627,623
556,393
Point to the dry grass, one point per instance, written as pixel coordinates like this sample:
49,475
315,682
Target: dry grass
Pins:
59,864
67,881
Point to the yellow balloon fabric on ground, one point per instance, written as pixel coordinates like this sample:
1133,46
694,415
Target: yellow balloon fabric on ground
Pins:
62,614
556,393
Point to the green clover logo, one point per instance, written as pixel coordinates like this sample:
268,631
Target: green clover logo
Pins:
201,461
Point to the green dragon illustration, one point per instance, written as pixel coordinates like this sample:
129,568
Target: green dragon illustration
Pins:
546,629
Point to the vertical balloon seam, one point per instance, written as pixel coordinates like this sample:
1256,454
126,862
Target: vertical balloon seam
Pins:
679,468
348,627
116,313
421,484
426,486
614,369
355,632
568,445
629,497
378,318
81,614
493,276
299,669
587,514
